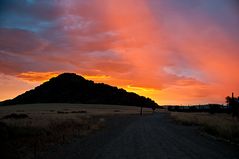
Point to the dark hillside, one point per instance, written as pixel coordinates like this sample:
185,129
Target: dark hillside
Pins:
71,88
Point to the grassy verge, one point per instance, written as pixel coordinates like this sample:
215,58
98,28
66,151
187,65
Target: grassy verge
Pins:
219,125
26,137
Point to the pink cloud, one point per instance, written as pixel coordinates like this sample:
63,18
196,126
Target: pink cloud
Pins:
174,52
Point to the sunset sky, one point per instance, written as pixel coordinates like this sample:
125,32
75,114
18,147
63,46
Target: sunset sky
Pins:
173,51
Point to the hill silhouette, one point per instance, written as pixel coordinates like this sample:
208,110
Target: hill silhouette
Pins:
72,88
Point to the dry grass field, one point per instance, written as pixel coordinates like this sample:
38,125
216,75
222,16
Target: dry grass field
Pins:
219,125
51,109
28,129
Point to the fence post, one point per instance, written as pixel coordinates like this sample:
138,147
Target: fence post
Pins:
141,111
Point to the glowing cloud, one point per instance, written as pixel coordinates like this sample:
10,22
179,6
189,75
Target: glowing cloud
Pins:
174,52
37,76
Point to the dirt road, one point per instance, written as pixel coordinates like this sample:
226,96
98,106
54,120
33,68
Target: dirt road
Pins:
148,137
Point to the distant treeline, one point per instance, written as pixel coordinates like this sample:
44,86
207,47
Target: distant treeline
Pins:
210,108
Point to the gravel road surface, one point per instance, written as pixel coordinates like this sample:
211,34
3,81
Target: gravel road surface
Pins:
148,137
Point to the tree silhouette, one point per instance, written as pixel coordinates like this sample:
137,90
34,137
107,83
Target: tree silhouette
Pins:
234,104
228,99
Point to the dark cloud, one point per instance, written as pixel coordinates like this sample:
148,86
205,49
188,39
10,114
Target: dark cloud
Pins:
165,45
12,64
19,41
41,10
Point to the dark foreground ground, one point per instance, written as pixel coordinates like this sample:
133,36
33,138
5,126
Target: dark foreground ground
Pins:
148,137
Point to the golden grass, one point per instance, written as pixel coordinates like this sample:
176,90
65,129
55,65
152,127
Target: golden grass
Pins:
64,108
50,124
219,125
28,137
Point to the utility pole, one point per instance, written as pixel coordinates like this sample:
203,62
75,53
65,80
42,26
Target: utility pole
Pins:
141,111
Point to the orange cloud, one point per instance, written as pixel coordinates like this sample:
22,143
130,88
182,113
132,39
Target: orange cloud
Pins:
174,52
37,76
98,78
147,92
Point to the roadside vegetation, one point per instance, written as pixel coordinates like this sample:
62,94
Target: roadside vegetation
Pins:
218,125
28,130
24,136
